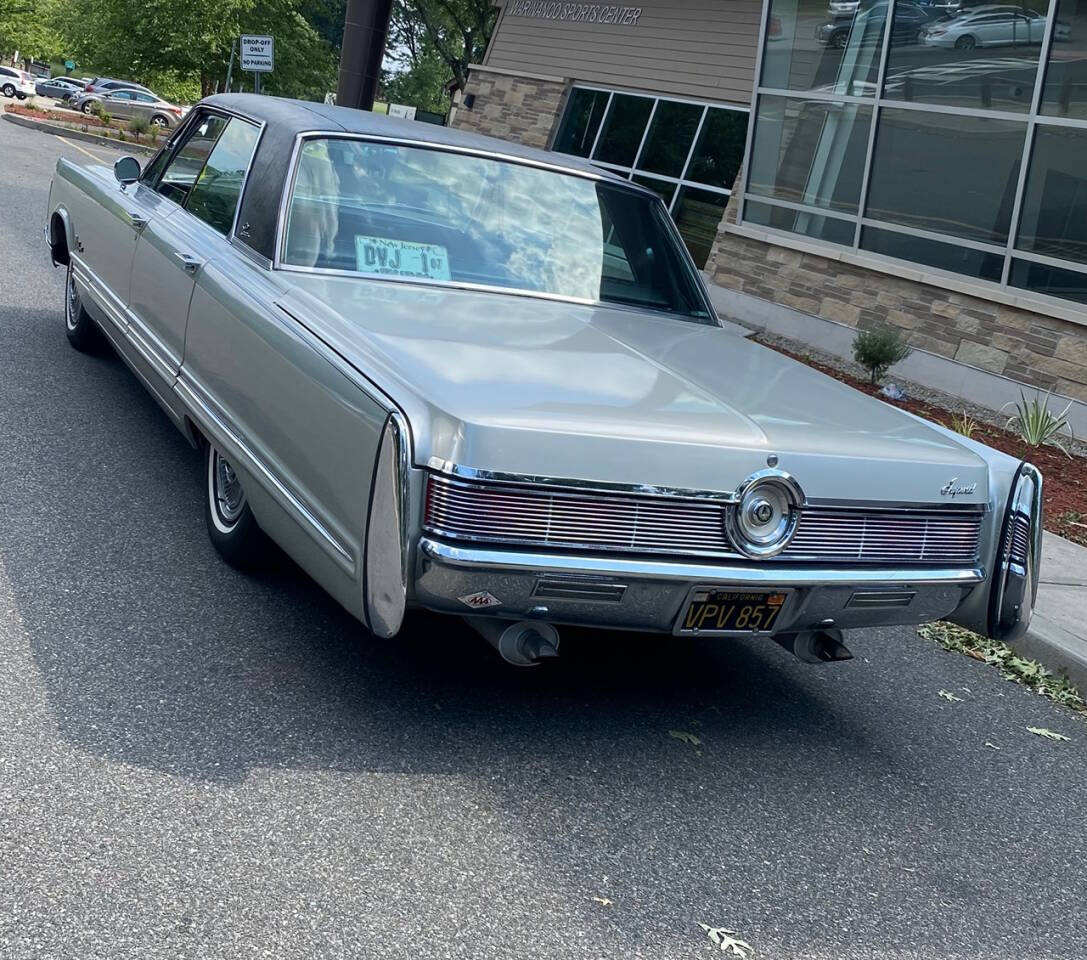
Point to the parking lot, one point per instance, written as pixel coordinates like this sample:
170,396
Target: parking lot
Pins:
197,763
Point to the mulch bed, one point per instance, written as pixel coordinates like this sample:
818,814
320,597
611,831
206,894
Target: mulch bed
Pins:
1065,478
85,120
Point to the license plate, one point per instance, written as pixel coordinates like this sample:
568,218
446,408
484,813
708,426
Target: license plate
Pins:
401,258
710,611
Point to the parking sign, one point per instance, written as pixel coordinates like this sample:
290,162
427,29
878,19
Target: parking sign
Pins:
258,54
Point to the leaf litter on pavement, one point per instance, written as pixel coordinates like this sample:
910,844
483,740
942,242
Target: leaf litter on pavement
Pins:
727,941
1048,734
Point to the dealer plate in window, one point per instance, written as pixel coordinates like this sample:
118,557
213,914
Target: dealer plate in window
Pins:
712,611
401,258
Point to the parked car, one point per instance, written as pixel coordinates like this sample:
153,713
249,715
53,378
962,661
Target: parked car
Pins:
107,84
61,88
988,26
16,83
866,27
129,104
450,372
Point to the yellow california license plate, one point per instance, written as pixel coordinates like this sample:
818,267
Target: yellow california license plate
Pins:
731,611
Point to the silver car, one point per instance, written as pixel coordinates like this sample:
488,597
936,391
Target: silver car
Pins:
447,372
129,104
988,26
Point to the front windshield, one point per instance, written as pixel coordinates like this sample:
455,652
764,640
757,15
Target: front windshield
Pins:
381,209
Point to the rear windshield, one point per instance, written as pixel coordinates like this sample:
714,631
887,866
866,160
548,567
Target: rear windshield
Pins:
429,215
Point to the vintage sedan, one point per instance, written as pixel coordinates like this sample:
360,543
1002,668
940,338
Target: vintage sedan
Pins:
446,372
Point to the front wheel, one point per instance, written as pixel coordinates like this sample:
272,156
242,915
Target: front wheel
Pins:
82,331
231,525
966,43
21,96
86,108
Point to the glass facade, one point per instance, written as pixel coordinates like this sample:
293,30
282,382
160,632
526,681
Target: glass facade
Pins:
688,152
934,132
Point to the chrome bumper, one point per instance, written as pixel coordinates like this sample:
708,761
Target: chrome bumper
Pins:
630,594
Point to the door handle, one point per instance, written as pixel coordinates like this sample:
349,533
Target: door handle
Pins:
189,263
137,221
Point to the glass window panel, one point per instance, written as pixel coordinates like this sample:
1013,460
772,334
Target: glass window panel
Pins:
1066,284
932,253
215,195
623,129
964,58
720,148
698,215
186,164
813,46
949,174
1054,218
670,136
798,221
810,152
1065,91
580,122
662,188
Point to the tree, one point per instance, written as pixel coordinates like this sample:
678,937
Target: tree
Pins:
29,26
432,42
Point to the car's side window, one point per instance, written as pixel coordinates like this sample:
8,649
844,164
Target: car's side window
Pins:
186,163
214,197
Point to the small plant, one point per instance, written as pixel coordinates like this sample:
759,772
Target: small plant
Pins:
105,117
879,350
1036,424
964,423
138,125
121,135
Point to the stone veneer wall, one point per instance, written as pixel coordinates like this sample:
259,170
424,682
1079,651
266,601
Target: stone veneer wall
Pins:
1028,347
522,109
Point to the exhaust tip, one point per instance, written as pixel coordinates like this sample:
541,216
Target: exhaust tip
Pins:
816,646
525,643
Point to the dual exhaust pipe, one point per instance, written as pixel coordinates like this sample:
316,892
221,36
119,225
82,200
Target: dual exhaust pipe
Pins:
527,643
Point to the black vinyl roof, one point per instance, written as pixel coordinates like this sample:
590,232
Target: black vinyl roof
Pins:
285,119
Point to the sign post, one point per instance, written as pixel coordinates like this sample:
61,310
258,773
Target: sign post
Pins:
258,56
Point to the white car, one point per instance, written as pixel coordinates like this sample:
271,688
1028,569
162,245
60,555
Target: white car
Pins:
16,83
989,26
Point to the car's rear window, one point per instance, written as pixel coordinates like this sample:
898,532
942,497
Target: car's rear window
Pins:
433,215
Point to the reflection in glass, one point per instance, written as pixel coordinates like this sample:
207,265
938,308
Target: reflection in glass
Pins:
812,47
215,195
720,148
428,215
1065,91
802,222
949,174
1054,217
670,136
623,130
981,57
1067,284
809,152
698,214
662,188
581,121
932,253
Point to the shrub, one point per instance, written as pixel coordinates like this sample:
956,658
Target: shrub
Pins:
879,350
138,125
1036,424
105,117
964,423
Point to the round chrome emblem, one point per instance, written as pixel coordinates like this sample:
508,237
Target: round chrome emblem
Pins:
763,520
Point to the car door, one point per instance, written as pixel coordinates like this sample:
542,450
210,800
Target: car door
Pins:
144,105
202,182
119,104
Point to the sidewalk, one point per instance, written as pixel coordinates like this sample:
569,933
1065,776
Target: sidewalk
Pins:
1058,632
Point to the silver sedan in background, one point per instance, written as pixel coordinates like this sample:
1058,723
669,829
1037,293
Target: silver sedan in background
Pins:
129,104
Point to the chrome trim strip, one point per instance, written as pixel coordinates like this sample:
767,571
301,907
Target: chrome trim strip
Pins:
448,468
899,506
202,406
161,357
776,576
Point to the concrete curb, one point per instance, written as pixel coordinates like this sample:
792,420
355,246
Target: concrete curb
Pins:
1057,636
44,126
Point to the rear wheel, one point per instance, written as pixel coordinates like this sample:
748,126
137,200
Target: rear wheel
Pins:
231,525
966,43
158,120
82,331
8,90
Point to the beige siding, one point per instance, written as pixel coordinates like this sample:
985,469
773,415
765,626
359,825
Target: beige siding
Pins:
703,49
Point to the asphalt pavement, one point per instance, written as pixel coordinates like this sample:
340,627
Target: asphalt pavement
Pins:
200,764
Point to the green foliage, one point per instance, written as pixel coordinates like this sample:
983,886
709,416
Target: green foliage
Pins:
32,28
879,350
104,115
964,423
431,43
138,126
1030,673
1036,424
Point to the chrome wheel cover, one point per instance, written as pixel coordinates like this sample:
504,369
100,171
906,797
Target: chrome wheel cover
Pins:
72,304
225,491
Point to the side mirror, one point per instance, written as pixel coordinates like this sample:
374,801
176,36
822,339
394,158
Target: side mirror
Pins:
127,170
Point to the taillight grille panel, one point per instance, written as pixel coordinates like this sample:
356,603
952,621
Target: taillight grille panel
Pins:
563,519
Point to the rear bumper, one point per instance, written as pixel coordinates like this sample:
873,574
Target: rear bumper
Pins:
632,594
